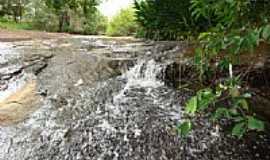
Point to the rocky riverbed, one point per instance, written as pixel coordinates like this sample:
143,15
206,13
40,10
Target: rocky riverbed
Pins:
95,98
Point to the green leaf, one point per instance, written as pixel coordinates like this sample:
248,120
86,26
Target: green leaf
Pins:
198,56
239,129
205,98
192,105
184,128
243,103
234,92
224,64
266,32
255,124
220,113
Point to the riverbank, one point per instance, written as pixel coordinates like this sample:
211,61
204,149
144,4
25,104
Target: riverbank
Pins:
7,35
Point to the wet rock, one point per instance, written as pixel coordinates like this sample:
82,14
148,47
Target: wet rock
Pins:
121,65
35,63
35,67
6,77
118,114
10,70
178,73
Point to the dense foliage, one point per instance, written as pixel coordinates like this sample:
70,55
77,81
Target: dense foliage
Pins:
123,24
240,26
75,16
14,8
168,19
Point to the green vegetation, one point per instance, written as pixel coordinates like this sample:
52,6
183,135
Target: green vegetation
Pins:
236,31
74,16
168,20
13,8
15,26
123,24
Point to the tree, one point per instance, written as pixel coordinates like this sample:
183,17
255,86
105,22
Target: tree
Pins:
13,8
165,19
62,8
123,24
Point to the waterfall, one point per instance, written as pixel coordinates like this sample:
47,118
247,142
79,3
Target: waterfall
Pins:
145,74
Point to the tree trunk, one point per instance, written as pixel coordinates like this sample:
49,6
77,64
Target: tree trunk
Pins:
64,21
61,21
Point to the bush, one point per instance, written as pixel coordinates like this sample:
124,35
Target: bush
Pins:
95,24
7,23
78,22
123,24
45,19
167,19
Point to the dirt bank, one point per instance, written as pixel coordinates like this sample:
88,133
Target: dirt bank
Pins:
21,35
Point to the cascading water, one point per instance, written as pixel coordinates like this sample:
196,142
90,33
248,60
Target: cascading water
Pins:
134,112
128,117
144,74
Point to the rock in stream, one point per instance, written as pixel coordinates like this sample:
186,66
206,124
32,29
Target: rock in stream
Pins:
103,99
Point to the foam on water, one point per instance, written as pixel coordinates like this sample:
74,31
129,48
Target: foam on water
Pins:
144,74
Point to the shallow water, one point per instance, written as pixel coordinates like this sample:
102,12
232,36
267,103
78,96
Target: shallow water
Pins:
105,99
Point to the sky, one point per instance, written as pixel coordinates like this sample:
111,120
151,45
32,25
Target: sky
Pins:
111,7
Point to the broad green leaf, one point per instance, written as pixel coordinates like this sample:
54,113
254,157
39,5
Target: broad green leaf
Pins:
205,98
220,113
239,129
243,103
204,35
184,128
192,105
255,124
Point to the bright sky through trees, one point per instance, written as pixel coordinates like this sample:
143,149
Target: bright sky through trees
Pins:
110,7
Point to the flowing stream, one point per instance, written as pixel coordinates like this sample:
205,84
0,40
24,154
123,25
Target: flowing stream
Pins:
110,100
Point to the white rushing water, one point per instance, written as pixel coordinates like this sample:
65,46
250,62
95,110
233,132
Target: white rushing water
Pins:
144,74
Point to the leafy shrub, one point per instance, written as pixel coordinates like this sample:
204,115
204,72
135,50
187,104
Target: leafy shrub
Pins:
95,24
44,20
7,23
123,24
234,32
16,26
167,19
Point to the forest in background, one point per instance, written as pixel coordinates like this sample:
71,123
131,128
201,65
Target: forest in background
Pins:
222,31
73,16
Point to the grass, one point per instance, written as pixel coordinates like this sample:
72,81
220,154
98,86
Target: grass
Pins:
15,26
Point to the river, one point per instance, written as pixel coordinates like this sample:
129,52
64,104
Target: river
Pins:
96,98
